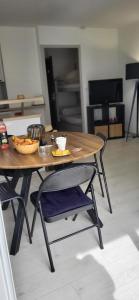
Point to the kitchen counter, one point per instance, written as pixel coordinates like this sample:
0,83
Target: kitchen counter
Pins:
18,118
17,125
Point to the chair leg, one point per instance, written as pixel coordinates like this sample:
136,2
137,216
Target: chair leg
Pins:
6,204
99,176
106,186
13,209
96,213
26,218
74,218
7,179
88,189
40,175
46,239
33,222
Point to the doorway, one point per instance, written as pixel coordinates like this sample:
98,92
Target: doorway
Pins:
63,80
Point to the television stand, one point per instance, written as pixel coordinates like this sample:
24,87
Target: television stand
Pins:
108,119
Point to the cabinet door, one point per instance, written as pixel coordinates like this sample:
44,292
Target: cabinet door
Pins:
102,129
115,130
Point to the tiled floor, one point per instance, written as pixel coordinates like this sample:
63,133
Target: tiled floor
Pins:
83,271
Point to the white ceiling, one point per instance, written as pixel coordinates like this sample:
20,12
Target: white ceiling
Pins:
82,13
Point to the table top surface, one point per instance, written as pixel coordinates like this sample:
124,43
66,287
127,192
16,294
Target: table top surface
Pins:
81,145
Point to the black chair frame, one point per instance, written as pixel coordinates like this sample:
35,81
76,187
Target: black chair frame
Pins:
3,206
63,179
8,195
101,172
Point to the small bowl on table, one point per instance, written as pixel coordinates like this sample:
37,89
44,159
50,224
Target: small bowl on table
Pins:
25,145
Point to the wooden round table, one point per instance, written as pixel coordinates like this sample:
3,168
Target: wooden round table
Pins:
81,146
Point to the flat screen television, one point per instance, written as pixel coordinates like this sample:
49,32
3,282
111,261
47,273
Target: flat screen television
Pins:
105,91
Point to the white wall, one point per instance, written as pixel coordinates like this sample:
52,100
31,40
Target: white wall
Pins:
98,49
21,63
129,52
99,53
20,59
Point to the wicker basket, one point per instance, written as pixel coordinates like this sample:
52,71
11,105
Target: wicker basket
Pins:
26,149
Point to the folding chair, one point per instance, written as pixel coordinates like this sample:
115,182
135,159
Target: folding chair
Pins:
60,196
7,194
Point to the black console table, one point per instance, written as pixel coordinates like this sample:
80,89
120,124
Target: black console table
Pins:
110,127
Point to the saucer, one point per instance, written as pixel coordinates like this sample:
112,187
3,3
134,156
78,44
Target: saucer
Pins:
61,153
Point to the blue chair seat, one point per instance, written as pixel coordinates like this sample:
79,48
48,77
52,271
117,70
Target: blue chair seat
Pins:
60,202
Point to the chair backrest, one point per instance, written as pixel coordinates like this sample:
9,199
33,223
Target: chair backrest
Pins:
67,178
103,137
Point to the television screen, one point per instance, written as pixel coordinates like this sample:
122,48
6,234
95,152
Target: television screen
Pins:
105,91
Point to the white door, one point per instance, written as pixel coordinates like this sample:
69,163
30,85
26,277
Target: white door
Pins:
7,289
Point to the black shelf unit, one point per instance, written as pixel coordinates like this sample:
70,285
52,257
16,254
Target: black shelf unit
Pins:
112,128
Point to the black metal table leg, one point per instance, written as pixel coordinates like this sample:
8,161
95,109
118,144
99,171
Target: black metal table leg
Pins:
20,213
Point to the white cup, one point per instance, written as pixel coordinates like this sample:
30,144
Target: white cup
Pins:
61,142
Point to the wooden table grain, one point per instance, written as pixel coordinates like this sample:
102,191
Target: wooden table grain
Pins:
82,145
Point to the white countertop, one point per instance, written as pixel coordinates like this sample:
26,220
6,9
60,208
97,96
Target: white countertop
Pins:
27,116
24,100
17,125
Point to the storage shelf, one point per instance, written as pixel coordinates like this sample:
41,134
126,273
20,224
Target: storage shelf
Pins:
112,129
100,123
